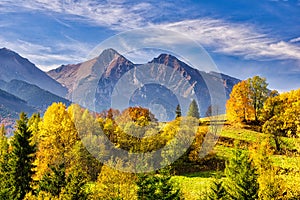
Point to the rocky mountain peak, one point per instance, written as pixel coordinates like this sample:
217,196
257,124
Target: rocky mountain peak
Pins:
165,59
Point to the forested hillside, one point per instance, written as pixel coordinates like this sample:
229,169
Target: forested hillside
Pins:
256,156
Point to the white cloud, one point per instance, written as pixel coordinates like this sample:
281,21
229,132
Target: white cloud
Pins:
219,36
112,14
294,40
235,39
49,57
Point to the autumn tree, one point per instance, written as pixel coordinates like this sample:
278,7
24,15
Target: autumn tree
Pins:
239,106
56,139
139,115
247,99
258,95
281,116
271,185
21,159
54,180
115,184
193,110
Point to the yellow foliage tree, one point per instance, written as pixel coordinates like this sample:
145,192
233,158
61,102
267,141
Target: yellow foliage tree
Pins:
282,114
56,138
114,184
239,107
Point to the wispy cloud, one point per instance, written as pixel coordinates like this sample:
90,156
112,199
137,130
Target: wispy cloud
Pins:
112,14
235,39
49,56
220,36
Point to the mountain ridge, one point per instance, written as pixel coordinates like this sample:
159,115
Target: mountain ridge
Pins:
112,66
14,66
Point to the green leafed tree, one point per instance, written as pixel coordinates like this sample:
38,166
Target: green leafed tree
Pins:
158,186
21,160
193,110
241,183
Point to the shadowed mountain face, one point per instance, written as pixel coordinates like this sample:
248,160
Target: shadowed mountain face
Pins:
110,80
32,94
10,107
13,66
159,99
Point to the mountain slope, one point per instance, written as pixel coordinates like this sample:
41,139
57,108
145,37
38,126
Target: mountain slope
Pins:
13,66
32,94
11,106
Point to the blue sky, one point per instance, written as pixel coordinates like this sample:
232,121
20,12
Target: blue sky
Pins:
244,38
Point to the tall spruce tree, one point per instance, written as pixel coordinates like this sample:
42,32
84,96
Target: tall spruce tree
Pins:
4,171
21,160
53,182
193,110
217,190
151,186
241,176
178,111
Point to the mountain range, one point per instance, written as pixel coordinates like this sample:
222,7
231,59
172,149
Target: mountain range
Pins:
108,80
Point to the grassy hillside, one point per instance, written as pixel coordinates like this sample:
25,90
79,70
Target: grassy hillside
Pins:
196,185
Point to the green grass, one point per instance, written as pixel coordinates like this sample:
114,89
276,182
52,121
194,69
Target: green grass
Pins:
196,185
242,134
223,152
192,188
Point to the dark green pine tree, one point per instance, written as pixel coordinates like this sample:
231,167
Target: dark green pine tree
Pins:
152,187
75,183
193,110
178,111
241,176
53,182
21,159
217,190
4,170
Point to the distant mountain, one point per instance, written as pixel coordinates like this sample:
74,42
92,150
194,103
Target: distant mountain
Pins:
13,66
32,94
10,107
106,80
